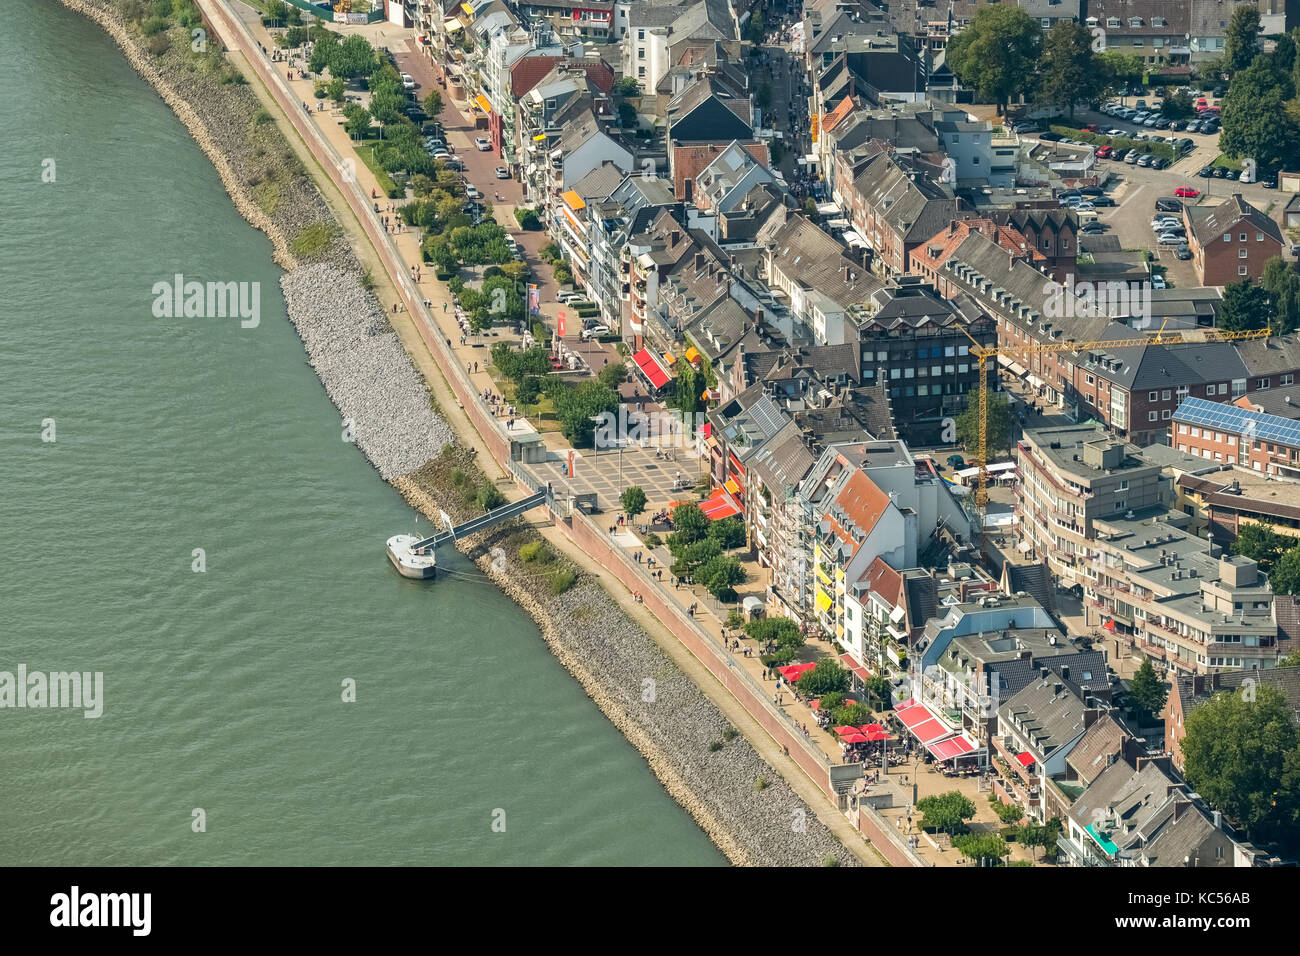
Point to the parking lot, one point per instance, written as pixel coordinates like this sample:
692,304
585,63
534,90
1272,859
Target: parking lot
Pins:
1135,190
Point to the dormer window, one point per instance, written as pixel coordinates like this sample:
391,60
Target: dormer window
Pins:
1159,22
1113,22
1135,22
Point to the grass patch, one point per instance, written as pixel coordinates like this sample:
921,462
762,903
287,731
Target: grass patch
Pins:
1226,161
313,240
367,155
762,783
267,195
262,116
562,580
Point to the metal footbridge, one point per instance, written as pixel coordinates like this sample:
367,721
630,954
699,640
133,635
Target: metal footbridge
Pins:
483,522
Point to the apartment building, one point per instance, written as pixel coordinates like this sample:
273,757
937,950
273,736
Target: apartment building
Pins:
1231,241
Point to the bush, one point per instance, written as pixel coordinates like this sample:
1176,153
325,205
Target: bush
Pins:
536,551
827,676
489,496
527,219
715,746
780,658
158,44
562,581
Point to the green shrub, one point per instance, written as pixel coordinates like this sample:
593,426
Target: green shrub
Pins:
158,44
715,746
489,496
538,551
562,580
313,240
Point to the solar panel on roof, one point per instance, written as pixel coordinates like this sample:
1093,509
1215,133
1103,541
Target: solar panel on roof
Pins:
1218,415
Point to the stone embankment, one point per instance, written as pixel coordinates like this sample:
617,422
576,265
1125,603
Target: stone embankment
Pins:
365,369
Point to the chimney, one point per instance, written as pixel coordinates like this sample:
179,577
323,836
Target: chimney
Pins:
758,318
699,261
674,237
1065,672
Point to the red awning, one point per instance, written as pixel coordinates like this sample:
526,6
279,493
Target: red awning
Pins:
872,729
792,672
876,735
845,731
852,664
1025,758
650,368
707,429
1109,625
923,724
956,747
718,505
855,739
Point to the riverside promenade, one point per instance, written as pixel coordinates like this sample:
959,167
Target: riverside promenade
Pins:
815,754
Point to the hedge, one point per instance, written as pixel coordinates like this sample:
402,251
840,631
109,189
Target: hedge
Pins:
1121,143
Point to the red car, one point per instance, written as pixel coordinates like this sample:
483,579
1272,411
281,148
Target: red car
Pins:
1090,127
1186,192
1103,152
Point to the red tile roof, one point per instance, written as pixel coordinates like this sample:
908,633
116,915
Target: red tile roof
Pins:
861,503
690,161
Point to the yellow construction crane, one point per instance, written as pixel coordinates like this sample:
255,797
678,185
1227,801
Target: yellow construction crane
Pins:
1160,337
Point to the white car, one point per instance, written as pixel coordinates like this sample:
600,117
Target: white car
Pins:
1084,206
482,144
597,330
408,81
1157,282
1161,223
1169,239
471,192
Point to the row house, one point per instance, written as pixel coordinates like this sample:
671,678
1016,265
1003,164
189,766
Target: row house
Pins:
917,343
1239,437
1140,814
572,226
1154,31
896,210
928,259
657,33
558,78
627,210
581,146
1228,501
572,19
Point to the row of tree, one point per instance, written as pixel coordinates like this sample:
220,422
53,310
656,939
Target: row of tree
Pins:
1272,303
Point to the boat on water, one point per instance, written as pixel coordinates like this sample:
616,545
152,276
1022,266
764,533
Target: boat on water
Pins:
410,562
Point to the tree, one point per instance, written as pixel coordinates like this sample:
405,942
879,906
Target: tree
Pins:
1069,72
1286,576
996,54
728,532
878,688
627,86
690,558
721,575
777,631
689,521
1245,306
1235,750
353,58
1241,41
981,846
356,120
1291,660
1178,105
1282,282
1256,121
999,422
1147,690
336,89
1261,544
529,391
432,103
945,811
825,677
1122,70
1035,834
633,500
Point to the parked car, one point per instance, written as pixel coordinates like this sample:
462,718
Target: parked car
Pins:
1092,227
1024,127
471,192
1131,157
1162,122
482,144
502,172
1177,125
1192,127
1164,223
1169,239
1269,181
1051,137
1182,252
1084,206
1145,159
1160,163
1165,204
1103,152
1206,173
1157,281
1115,132
1102,201
408,81
1220,172
1231,173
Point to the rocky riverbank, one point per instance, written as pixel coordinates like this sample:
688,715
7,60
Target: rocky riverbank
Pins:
741,802
365,369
